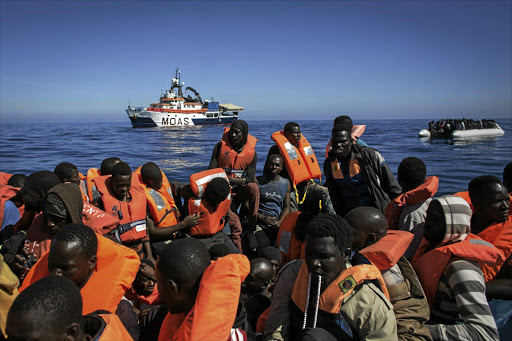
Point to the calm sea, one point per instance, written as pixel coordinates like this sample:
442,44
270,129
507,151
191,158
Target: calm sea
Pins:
26,148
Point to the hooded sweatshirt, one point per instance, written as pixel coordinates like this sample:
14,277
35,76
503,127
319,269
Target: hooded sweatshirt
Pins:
460,308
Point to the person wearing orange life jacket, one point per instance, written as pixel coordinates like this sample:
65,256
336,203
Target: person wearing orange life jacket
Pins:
357,176
105,169
128,203
291,238
326,290
11,204
202,296
236,154
51,309
143,290
67,172
357,131
447,265
162,210
102,269
407,212
301,167
386,249
4,177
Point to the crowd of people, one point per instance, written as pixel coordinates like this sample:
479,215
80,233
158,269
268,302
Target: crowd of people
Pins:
448,125
124,254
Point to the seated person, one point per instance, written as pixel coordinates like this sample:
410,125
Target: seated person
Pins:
51,309
255,289
274,201
447,265
9,284
407,212
327,291
197,291
143,291
492,221
236,154
105,169
162,210
386,249
274,256
62,205
301,167
67,172
128,203
102,269
292,235
357,176
10,200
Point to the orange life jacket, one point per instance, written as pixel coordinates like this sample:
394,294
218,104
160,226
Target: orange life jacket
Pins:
499,235
287,242
210,222
357,131
214,311
114,273
100,221
301,163
133,213
385,253
333,296
92,174
6,193
161,204
418,195
113,330
430,266
4,177
139,300
232,162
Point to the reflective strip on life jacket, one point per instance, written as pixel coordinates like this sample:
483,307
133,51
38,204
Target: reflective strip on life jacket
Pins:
301,163
430,266
114,273
232,162
385,253
199,181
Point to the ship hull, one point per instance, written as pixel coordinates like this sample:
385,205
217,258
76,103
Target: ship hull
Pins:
148,119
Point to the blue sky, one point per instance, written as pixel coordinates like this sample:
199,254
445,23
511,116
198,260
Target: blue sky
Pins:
82,60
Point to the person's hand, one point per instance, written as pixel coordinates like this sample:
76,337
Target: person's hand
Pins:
269,220
191,220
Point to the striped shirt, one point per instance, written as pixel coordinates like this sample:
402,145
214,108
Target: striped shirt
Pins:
460,307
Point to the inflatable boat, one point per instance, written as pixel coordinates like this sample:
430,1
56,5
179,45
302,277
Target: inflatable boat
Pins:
462,134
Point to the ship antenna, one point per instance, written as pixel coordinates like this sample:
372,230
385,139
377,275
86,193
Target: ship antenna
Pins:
128,103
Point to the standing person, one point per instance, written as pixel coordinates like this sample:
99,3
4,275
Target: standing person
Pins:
202,296
407,212
236,154
447,264
328,291
357,176
385,249
102,269
128,203
51,309
274,201
301,167
356,132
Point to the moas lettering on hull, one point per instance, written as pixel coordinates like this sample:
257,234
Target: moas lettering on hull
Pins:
176,110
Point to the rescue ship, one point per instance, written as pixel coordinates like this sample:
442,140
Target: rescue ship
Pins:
175,110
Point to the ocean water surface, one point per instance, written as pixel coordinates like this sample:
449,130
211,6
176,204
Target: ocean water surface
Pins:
180,152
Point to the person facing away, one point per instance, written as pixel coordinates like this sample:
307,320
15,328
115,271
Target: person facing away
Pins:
163,215
67,172
407,212
11,204
51,309
128,203
492,221
236,154
385,249
202,296
102,269
357,176
447,264
327,291
300,167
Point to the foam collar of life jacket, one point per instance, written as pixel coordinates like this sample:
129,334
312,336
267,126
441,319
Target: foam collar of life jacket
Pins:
214,312
385,253
114,273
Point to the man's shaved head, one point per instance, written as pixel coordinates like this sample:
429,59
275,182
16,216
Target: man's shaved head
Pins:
368,224
260,276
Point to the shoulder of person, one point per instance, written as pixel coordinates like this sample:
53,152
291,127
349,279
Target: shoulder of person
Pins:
367,294
290,270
